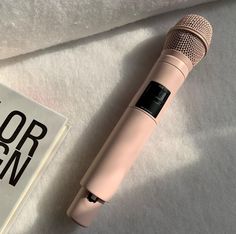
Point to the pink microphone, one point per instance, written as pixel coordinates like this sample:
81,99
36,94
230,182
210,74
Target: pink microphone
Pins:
186,44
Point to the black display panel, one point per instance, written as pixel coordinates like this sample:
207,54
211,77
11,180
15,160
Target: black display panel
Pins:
153,98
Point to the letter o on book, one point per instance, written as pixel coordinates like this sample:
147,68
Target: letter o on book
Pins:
18,128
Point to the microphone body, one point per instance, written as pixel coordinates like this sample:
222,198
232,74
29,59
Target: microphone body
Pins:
145,110
135,126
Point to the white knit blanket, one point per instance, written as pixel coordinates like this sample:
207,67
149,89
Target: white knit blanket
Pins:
184,180
28,25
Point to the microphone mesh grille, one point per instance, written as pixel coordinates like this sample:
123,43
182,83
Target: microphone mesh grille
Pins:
190,36
199,24
187,43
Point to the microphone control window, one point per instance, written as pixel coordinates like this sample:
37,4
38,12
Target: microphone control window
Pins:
153,98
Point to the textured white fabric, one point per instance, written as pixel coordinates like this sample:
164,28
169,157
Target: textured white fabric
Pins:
184,180
31,25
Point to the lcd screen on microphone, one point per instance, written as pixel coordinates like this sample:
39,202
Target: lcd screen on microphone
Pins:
153,98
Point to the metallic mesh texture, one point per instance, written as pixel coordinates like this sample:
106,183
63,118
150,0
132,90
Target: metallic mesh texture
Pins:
182,37
186,43
199,24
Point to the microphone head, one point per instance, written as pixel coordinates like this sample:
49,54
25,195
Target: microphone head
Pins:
191,36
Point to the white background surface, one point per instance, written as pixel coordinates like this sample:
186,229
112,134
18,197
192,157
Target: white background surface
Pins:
31,25
184,180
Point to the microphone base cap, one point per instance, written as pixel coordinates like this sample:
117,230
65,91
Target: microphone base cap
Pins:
82,210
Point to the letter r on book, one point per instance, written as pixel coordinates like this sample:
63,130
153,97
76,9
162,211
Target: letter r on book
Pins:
35,139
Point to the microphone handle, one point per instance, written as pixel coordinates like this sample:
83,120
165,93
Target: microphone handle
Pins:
136,125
